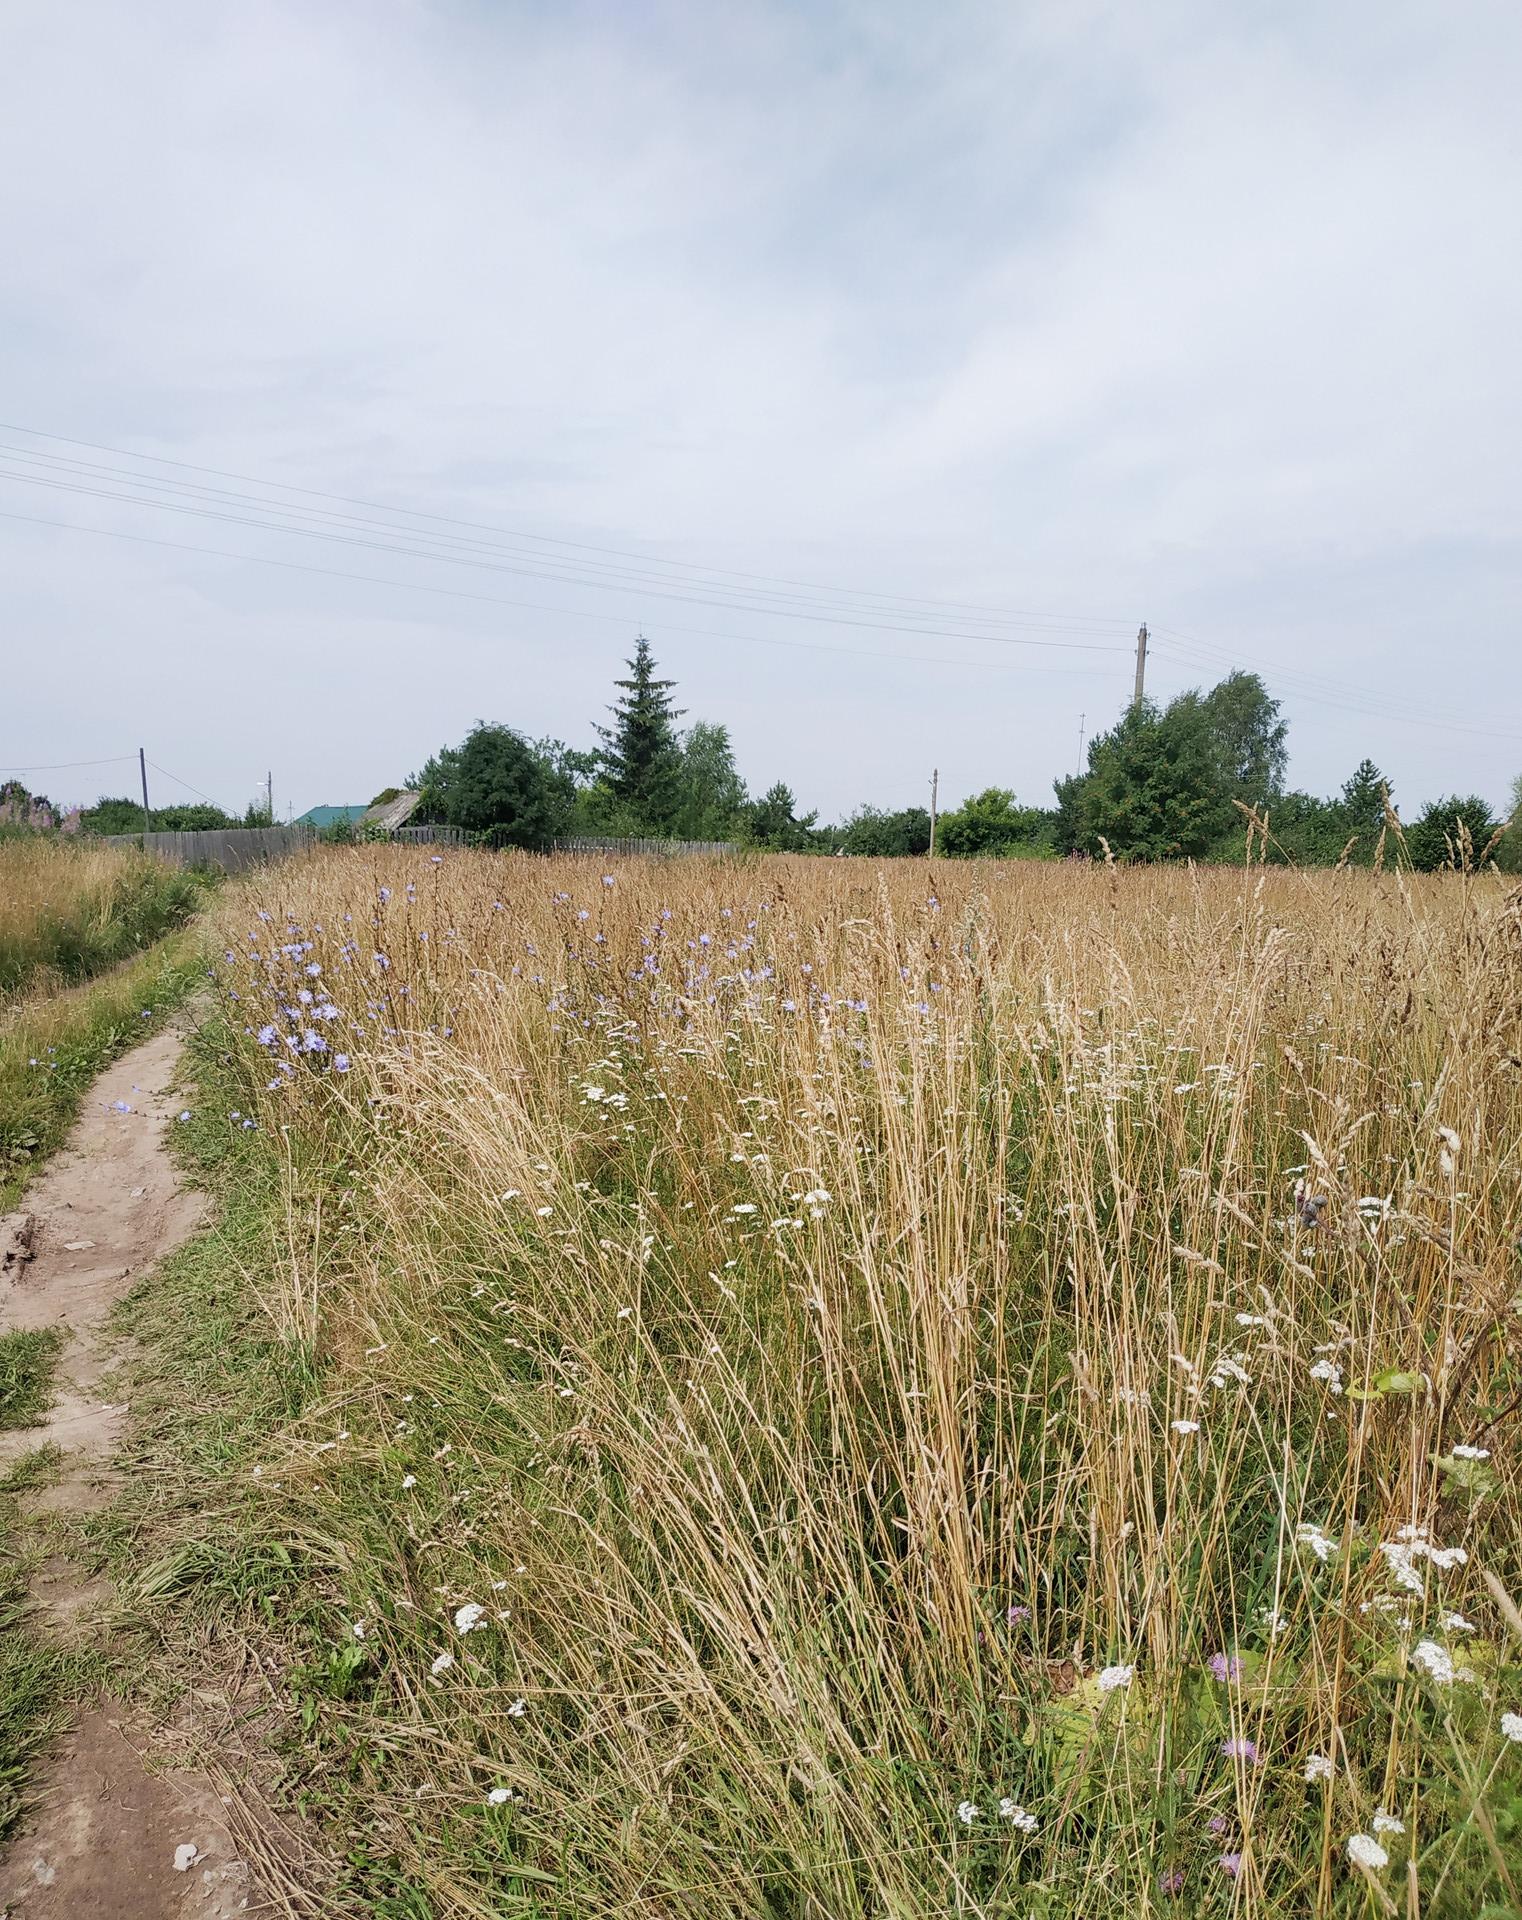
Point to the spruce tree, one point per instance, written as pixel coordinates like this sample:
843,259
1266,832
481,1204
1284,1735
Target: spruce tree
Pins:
641,755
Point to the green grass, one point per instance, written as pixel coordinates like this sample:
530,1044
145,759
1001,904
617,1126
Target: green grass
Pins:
71,910
40,1680
39,1684
31,1471
28,1360
53,1046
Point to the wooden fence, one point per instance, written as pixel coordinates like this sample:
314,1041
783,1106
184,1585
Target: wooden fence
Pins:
230,848
429,836
660,849
234,848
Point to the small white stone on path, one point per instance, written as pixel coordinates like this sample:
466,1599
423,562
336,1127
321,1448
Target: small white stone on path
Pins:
186,1856
77,1246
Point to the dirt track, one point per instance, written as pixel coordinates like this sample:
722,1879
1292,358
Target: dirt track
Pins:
111,1813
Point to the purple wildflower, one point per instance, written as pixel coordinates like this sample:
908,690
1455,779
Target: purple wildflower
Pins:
340,1063
1226,1667
267,1036
1241,1750
1231,1863
1171,1882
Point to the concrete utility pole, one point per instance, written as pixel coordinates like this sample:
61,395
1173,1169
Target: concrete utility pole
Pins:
935,793
1081,718
1141,667
142,767
269,796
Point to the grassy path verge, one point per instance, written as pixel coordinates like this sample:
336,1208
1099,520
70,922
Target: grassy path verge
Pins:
52,1046
71,910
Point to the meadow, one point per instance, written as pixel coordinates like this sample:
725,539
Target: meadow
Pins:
819,1390
71,908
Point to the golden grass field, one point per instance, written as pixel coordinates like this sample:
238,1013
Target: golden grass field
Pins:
892,1391
70,908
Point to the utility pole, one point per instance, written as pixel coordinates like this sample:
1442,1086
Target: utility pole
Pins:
935,793
269,795
1081,718
142,767
1141,666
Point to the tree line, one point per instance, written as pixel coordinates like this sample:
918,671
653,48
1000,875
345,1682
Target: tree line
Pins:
26,812
1186,780
1191,779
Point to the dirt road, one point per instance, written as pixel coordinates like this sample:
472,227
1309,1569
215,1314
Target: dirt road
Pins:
116,1830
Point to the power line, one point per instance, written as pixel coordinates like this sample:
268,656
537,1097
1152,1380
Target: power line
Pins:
63,766
460,560
574,613
1344,698
184,783
315,493
61,470
1208,652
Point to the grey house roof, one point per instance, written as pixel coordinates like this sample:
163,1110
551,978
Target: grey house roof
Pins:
392,814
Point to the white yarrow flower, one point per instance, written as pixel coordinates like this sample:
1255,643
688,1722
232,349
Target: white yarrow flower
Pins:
1327,1371
1435,1661
1185,1427
967,1812
1386,1822
1017,1816
1366,1852
469,1617
1112,1677
517,1710
1317,1767
442,1664
1511,1727
498,1797
1471,1453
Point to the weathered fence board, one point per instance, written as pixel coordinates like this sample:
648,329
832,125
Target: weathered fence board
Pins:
430,836
231,848
661,849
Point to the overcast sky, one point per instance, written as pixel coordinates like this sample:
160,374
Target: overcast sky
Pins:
1064,315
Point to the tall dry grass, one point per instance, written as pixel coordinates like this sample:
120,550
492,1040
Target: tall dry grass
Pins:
900,1392
70,908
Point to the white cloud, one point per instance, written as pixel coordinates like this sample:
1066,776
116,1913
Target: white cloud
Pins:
1199,315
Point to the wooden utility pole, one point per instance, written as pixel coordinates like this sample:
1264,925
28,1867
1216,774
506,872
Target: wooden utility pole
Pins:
142,767
269,795
935,794
1141,667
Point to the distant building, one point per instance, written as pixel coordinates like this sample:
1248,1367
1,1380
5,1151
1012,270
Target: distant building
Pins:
391,814
320,817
